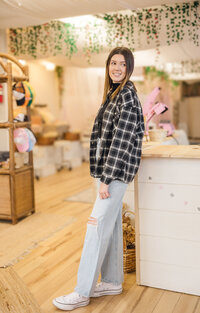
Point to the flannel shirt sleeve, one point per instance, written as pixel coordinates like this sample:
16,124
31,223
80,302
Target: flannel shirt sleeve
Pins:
123,139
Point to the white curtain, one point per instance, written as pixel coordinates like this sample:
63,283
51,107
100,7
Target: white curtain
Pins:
82,96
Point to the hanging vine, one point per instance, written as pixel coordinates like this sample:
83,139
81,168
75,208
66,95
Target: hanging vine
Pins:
60,76
177,22
48,39
138,29
93,42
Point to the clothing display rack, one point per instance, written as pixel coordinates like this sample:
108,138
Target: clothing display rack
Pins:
16,184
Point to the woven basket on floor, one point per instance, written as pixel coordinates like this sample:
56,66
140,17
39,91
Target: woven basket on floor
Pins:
129,253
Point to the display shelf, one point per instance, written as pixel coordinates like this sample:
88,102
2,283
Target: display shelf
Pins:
22,124
16,184
3,78
5,125
4,171
23,168
17,170
19,78
15,124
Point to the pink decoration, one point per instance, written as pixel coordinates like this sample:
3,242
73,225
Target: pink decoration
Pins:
169,127
150,108
150,100
21,139
24,139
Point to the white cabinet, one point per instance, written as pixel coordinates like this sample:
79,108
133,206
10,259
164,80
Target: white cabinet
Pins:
129,197
168,220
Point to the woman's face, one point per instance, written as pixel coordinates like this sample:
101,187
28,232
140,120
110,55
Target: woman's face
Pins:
117,68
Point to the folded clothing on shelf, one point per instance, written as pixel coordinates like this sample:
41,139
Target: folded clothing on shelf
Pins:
4,155
4,159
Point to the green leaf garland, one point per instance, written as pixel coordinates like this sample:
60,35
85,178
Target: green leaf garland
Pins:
177,22
44,40
134,29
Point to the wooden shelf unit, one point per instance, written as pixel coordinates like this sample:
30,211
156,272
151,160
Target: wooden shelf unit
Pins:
16,185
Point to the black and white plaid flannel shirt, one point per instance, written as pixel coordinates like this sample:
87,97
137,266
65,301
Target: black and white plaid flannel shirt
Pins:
121,139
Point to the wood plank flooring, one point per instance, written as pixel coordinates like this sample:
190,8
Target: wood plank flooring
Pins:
50,269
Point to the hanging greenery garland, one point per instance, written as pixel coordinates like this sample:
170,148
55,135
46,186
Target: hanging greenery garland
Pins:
44,40
140,29
60,76
192,66
176,70
152,72
93,42
177,22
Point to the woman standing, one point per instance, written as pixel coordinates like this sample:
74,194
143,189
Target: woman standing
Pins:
115,153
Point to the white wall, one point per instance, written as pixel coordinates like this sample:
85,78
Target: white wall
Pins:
3,41
4,138
83,91
45,85
193,113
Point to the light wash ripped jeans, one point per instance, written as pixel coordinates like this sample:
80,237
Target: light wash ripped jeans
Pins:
103,246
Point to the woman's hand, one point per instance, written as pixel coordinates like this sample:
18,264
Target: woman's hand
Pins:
103,191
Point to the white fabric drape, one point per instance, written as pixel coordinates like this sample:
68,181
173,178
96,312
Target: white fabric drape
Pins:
18,13
82,96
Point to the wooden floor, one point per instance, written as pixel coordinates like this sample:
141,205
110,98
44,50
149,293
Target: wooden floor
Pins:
50,269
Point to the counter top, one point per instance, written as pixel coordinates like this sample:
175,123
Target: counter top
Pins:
153,150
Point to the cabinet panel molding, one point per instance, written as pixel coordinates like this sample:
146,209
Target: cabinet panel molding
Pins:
170,171
175,198
171,225
170,277
185,253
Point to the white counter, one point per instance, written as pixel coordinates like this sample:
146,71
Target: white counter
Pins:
168,218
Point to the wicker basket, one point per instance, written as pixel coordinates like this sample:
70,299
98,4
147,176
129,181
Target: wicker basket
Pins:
157,134
72,136
129,254
45,141
129,259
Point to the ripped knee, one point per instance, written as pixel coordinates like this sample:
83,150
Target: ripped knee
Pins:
92,221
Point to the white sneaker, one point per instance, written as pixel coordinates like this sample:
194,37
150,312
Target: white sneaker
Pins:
105,289
71,301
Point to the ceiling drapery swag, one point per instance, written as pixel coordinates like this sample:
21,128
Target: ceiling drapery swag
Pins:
141,29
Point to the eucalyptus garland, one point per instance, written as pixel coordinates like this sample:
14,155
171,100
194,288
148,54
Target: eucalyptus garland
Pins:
139,29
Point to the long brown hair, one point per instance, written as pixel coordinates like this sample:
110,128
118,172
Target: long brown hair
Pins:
129,59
